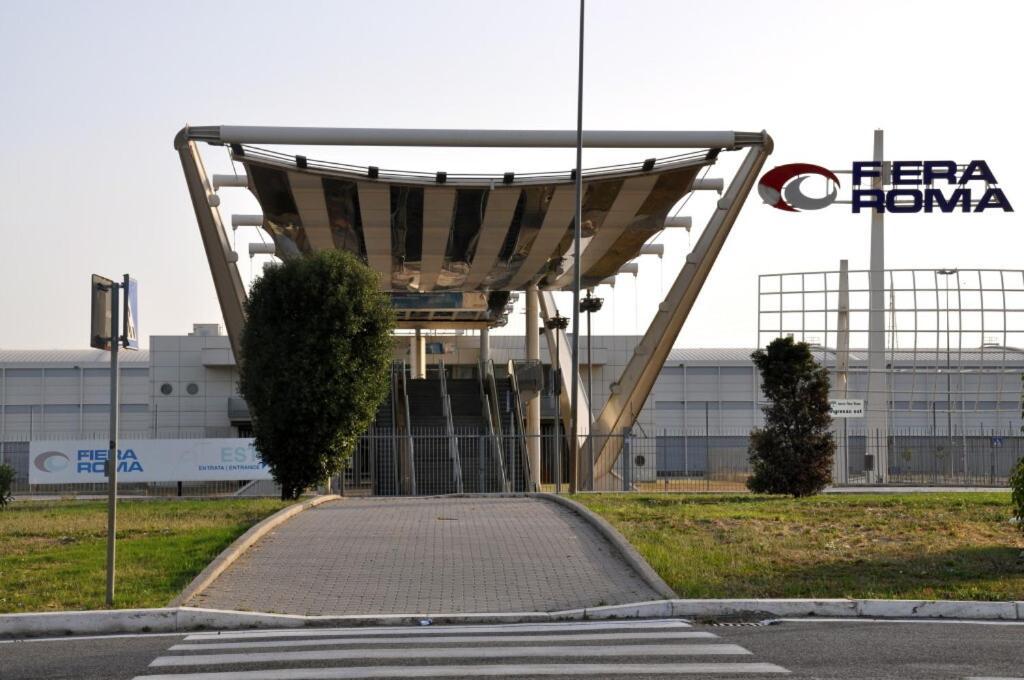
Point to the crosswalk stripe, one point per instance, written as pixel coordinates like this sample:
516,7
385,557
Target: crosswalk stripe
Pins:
449,639
502,670
443,630
449,653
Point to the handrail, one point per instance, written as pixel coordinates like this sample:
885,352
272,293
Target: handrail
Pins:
490,402
411,458
449,426
517,406
395,368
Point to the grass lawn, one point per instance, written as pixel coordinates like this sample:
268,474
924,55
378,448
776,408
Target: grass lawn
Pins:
941,545
53,553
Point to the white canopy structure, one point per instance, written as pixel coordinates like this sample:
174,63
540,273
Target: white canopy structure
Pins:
451,248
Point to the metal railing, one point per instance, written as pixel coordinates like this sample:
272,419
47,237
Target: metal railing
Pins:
406,457
489,392
685,460
518,425
453,442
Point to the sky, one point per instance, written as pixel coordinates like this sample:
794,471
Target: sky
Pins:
93,94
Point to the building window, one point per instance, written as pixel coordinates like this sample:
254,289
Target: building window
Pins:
192,389
166,389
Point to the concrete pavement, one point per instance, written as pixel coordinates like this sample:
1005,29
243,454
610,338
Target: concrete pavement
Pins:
428,555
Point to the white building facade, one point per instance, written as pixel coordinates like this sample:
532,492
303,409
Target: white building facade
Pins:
704,400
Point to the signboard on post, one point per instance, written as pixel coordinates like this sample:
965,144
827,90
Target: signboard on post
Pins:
846,408
99,327
110,328
131,314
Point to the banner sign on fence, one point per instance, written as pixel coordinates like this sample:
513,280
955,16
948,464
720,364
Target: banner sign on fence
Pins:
847,408
145,460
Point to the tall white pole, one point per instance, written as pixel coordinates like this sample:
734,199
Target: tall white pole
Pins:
575,474
418,356
485,346
842,461
533,440
115,342
878,392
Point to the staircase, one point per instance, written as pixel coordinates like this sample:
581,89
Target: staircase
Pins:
382,450
470,429
460,441
513,441
435,473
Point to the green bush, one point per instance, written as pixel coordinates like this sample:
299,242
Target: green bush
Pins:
792,453
1017,487
6,482
315,365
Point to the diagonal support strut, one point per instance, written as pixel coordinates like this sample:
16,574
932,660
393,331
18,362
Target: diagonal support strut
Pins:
637,379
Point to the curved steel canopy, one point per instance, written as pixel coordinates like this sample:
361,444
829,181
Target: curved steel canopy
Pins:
468,233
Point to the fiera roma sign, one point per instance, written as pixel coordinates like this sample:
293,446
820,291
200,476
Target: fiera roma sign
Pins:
894,187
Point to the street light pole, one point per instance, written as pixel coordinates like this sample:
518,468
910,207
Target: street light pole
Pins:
558,324
590,304
574,448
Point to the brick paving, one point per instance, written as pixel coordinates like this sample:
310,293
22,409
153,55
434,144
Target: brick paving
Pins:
428,556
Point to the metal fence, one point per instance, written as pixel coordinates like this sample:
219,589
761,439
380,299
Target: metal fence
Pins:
921,456
429,461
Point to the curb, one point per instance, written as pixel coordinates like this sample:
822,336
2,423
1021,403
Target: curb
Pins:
228,556
612,535
187,619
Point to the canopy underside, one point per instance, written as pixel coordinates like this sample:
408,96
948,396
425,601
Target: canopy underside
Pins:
467,233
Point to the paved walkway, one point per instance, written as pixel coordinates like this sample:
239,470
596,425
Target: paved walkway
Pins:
428,556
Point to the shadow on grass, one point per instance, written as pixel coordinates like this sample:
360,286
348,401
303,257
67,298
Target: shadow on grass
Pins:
990,572
667,500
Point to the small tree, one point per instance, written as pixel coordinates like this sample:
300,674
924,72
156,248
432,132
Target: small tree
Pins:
792,453
1017,497
6,482
315,364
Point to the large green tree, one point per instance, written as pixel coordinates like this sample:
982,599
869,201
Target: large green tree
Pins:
316,356
792,453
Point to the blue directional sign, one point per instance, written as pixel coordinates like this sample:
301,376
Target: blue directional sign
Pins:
996,442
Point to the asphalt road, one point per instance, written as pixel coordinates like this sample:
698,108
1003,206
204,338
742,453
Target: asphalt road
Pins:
628,649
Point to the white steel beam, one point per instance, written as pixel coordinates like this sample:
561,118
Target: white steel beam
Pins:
308,191
501,206
230,181
877,406
438,206
552,230
533,441
629,268
226,279
634,386
677,222
706,184
548,310
324,136
630,198
245,220
375,210
262,249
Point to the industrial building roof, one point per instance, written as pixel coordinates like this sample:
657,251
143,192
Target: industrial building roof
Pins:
49,357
